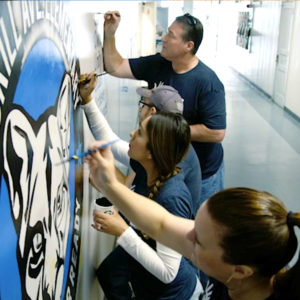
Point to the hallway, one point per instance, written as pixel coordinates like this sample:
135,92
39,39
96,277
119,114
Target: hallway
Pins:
262,145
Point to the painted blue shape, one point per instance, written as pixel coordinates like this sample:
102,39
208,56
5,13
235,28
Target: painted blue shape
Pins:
40,78
9,289
37,90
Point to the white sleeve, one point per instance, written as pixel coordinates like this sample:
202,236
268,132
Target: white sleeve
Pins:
102,131
162,263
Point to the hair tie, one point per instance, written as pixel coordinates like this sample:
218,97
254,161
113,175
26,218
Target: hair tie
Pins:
289,220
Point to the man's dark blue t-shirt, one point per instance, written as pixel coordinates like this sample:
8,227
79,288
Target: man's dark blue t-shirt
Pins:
204,101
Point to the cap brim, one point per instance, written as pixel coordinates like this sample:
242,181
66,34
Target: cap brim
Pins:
144,92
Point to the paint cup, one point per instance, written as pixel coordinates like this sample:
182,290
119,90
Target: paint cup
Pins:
104,205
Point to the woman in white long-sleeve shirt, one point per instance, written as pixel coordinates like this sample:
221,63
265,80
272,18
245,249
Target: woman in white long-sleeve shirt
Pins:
165,264
157,272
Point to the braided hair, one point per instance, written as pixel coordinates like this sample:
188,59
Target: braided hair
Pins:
159,182
169,138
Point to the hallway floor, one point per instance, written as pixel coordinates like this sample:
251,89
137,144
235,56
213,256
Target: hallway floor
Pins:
262,144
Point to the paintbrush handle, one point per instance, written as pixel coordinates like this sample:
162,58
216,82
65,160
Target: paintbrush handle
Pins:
107,144
86,153
87,80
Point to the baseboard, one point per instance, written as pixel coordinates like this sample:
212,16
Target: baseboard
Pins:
293,115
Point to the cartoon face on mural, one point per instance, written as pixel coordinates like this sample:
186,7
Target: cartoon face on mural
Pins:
39,194
37,191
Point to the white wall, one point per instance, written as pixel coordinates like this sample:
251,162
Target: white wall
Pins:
94,246
111,94
147,28
257,63
293,83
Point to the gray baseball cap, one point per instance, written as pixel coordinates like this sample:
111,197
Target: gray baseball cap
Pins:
164,97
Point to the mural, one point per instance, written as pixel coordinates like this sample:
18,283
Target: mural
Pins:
40,205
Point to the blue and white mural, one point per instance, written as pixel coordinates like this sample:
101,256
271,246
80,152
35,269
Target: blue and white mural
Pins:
40,126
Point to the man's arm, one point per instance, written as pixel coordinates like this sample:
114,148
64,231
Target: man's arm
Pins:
201,133
114,63
211,124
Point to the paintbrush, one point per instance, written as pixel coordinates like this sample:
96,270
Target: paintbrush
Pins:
87,80
86,153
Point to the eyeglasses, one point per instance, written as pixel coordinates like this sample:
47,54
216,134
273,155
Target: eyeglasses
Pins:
191,20
142,104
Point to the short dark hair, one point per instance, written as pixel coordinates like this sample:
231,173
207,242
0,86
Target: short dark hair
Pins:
193,30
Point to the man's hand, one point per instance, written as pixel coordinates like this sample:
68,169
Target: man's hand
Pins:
86,89
111,23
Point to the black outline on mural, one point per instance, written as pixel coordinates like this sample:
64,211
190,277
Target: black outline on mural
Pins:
24,23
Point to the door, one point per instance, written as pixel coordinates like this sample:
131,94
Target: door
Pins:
283,50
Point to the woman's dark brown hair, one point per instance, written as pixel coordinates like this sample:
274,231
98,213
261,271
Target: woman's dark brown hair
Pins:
259,232
169,139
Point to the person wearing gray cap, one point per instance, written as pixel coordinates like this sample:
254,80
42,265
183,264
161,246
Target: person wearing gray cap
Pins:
113,273
164,98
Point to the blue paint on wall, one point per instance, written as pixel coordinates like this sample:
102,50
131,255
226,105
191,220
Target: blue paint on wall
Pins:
37,90
40,78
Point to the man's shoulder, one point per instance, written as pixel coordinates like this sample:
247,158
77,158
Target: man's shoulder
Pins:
149,58
205,75
205,69
150,68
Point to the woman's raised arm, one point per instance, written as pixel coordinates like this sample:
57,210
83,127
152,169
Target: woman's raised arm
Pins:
146,214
